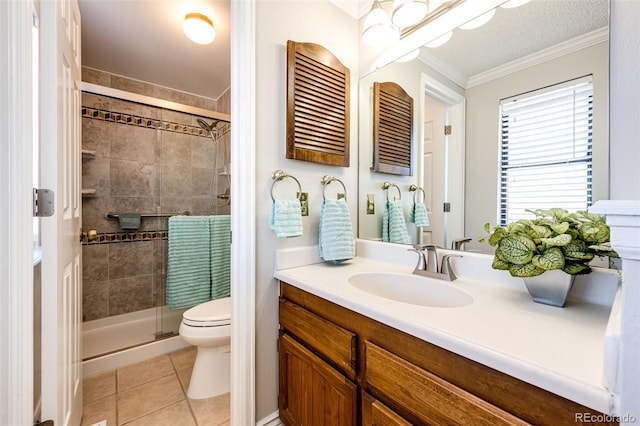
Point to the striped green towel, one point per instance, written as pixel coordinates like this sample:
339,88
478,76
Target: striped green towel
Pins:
335,241
286,218
188,267
220,227
394,227
419,215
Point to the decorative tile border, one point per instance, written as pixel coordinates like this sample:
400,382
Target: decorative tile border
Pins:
127,237
135,120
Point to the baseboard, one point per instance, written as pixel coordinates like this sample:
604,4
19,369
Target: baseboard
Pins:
272,419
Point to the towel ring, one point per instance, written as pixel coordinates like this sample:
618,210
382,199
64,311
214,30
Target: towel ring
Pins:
388,185
278,175
326,180
415,195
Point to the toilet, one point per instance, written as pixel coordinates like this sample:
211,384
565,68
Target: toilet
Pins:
208,327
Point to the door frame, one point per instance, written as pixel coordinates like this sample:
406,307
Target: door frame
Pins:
243,212
16,261
16,225
454,154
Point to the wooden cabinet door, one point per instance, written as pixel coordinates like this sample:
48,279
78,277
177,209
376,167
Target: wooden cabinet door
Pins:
311,392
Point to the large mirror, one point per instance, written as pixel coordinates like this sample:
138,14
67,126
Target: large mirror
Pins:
460,84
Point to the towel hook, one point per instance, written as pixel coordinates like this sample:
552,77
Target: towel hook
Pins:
278,175
388,185
415,195
326,180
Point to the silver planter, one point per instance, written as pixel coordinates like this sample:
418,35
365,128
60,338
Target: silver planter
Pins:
551,287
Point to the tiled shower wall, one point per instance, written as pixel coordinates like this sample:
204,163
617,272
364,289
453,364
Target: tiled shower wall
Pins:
147,160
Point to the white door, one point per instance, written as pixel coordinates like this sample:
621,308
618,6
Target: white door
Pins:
61,250
434,171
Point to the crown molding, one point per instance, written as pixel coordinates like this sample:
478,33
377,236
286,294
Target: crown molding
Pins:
450,72
589,39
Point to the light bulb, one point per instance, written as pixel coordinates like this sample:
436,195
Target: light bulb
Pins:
377,28
409,12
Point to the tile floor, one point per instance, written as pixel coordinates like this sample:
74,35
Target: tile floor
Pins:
151,392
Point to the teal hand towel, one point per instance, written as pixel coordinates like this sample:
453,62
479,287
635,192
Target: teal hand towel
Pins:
189,261
129,220
419,215
394,227
335,240
286,218
220,228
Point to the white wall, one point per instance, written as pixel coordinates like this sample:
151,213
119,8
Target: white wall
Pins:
625,100
276,22
482,129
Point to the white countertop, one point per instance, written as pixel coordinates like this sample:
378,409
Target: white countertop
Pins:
557,349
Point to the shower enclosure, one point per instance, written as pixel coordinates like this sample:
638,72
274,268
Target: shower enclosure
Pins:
142,157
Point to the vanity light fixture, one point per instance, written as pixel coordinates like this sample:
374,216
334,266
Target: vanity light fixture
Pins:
380,29
408,12
198,28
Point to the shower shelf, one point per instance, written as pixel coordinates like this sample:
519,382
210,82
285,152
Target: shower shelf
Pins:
88,192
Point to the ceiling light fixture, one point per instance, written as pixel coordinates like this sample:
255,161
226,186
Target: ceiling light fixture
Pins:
198,28
380,29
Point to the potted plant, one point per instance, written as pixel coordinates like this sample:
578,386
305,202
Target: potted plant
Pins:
550,250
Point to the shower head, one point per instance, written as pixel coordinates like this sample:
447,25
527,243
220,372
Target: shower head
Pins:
208,127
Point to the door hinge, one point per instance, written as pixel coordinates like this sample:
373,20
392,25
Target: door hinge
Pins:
43,202
447,207
447,129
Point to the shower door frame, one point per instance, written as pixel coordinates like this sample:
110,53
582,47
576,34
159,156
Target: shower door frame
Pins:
96,89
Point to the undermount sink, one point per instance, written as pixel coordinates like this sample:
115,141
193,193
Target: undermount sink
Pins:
412,289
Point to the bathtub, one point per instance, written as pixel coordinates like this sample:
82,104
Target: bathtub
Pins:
109,343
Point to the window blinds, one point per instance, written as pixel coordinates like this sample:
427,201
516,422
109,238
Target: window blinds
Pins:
546,150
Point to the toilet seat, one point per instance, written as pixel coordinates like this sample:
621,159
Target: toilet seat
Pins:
214,313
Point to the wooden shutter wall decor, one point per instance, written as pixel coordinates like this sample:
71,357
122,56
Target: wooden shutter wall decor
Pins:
317,105
392,129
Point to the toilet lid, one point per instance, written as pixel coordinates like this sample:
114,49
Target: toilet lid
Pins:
212,313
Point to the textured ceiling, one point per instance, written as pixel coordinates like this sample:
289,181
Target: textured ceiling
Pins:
143,39
513,33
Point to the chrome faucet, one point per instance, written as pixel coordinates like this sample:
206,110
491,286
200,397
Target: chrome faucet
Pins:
428,263
458,244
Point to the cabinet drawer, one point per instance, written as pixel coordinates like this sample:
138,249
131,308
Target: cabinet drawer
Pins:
333,342
375,413
426,396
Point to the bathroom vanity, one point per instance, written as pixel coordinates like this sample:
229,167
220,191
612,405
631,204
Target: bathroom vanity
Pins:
350,357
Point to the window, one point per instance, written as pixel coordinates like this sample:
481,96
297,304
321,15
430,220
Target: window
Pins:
546,150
